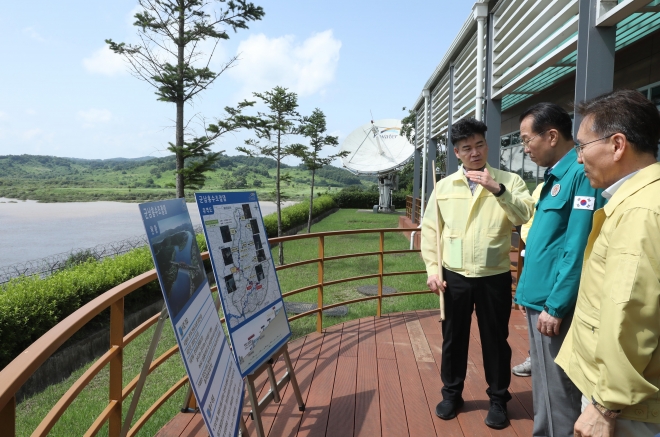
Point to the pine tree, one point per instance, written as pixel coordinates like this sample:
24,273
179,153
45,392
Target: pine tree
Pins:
170,59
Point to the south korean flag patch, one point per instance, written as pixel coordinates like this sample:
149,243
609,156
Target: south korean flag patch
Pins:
584,202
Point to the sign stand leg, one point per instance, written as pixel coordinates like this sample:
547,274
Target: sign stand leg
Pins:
292,376
243,430
145,371
275,387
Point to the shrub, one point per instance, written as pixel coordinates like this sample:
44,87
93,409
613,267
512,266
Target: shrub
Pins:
297,214
30,306
352,198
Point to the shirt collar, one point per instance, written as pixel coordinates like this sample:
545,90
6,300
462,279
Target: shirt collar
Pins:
609,192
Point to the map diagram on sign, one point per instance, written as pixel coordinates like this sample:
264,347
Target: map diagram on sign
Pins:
245,273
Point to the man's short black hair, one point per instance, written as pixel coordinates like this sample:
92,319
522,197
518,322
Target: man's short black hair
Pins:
628,112
546,116
465,128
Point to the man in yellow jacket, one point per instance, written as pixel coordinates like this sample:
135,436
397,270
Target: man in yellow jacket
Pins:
611,350
476,208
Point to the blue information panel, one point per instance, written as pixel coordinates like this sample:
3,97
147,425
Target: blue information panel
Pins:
245,273
215,379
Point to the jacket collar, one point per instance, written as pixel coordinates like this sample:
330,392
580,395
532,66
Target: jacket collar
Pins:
644,177
564,164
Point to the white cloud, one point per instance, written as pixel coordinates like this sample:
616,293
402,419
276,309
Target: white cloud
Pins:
306,68
3,116
30,111
32,33
93,116
105,61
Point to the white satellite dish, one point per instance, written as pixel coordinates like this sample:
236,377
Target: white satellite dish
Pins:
378,148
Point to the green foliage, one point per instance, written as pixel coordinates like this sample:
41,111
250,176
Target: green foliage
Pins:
171,60
51,179
297,214
30,306
351,198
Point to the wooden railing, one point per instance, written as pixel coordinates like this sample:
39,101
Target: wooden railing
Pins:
413,205
20,369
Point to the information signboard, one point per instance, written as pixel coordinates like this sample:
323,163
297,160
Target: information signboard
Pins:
215,379
245,273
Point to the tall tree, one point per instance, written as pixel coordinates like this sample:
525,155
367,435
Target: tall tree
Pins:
313,127
275,126
171,59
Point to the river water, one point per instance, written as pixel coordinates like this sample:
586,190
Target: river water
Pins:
30,230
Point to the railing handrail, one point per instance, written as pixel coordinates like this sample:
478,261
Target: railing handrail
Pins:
17,372
338,233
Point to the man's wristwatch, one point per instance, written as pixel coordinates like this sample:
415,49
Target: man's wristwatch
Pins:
502,190
610,414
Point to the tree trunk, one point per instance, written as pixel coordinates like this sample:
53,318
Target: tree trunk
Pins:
278,199
311,203
180,161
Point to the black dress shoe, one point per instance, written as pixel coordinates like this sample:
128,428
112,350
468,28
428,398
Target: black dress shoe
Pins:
447,409
497,416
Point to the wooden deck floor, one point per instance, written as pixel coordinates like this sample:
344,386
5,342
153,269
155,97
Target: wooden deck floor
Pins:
380,377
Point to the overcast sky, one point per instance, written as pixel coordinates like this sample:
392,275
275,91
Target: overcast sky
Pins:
64,93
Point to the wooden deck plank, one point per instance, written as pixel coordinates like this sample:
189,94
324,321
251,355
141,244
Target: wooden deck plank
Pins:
349,339
418,412
341,421
392,413
176,426
315,419
379,377
367,397
384,344
288,417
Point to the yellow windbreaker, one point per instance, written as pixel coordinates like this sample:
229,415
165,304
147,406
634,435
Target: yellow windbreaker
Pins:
611,350
476,229
536,195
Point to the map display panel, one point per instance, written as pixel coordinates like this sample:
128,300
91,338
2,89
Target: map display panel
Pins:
245,273
215,378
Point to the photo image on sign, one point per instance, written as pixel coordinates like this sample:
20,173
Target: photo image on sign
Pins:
254,226
261,255
226,234
257,242
230,283
178,260
259,271
247,213
226,256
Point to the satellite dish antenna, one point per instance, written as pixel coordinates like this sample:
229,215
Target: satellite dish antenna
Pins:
378,148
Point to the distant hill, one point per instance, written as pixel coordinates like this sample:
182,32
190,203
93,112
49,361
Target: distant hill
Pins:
52,179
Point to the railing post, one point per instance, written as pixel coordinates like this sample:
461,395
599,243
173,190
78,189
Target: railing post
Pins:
379,306
116,339
8,418
319,315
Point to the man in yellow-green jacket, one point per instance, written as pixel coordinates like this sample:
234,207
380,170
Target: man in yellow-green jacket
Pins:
611,350
477,206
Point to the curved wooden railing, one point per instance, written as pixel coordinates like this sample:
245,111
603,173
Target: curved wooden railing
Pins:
20,369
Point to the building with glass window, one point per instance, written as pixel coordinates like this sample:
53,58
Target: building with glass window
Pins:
510,54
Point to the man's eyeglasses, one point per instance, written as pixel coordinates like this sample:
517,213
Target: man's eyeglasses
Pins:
525,143
580,147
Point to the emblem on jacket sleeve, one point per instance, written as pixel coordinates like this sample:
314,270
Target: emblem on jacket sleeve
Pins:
555,190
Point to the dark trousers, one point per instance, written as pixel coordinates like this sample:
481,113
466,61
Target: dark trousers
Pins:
490,296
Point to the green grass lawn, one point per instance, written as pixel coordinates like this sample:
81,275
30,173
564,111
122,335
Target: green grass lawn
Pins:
89,404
